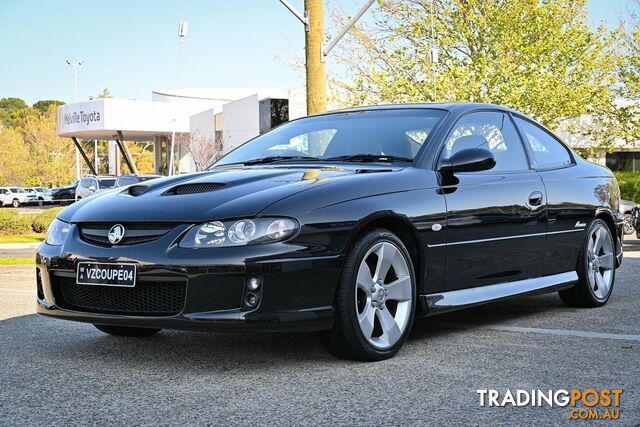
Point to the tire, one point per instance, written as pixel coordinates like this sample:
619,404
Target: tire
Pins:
126,331
595,278
386,307
15,203
628,224
40,201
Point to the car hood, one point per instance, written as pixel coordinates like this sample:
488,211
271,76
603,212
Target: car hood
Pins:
242,192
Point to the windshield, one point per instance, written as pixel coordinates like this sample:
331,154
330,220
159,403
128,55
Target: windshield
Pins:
107,182
394,133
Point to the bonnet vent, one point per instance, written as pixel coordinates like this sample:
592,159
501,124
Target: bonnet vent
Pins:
195,188
136,190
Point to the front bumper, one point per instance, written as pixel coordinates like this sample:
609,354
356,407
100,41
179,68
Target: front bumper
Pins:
296,294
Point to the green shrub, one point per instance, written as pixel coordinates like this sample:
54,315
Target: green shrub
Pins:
12,223
41,221
629,185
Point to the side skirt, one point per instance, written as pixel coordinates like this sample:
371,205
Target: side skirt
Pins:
462,298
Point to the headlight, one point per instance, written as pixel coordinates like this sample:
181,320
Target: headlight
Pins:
57,233
239,232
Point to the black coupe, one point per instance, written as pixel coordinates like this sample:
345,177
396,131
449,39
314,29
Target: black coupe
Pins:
351,223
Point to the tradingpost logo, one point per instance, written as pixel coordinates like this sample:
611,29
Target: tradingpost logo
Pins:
587,404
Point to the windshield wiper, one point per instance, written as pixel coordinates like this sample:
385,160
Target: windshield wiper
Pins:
271,159
369,158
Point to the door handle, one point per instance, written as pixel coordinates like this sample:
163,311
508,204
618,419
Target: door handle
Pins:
535,198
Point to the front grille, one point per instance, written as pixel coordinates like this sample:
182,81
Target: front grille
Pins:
146,298
135,233
195,188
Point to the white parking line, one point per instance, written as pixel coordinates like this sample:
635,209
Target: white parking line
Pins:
566,333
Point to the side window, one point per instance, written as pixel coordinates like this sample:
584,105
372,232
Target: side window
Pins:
492,131
547,151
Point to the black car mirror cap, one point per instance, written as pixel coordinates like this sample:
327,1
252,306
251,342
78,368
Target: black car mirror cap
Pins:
469,160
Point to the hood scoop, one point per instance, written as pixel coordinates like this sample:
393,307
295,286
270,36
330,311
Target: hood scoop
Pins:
136,190
202,187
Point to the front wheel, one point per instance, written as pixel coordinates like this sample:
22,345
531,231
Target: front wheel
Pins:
40,201
596,269
375,299
15,203
126,331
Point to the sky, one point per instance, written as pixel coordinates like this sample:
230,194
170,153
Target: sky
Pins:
131,46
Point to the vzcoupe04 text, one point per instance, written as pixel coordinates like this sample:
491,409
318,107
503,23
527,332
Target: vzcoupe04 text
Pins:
350,223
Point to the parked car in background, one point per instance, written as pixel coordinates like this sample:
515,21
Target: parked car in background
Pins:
626,211
15,196
42,194
90,185
65,195
124,180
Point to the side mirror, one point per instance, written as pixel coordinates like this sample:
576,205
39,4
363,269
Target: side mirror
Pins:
92,187
469,160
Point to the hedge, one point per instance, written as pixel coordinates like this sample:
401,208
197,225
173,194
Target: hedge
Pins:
629,185
12,223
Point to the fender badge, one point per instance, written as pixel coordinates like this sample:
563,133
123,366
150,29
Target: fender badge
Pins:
436,227
580,224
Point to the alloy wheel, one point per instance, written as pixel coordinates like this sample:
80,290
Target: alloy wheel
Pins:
600,261
628,224
384,294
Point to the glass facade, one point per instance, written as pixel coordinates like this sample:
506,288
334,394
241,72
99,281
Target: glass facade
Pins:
627,161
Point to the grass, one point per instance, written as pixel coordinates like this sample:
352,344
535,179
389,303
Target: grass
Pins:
22,238
17,261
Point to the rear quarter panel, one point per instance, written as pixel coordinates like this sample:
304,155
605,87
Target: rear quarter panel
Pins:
575,196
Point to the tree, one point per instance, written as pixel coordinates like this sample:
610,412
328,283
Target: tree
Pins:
204,149
8,106
43,105
51,158
14,157
540,57
105,94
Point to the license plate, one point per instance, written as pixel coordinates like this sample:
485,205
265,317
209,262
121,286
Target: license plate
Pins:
95,273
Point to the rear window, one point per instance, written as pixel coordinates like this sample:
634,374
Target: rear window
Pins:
107,182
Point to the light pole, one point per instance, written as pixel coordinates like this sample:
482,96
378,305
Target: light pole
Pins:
75,66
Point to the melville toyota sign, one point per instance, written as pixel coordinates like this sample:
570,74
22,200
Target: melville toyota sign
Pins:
81,116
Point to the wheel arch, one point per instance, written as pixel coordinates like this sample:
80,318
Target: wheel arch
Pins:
401,227
608,217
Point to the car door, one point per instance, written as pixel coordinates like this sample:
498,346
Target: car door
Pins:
567,217
496,220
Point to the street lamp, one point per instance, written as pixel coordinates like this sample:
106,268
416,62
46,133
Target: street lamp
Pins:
75,66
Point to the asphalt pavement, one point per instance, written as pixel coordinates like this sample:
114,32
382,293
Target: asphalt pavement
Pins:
56,372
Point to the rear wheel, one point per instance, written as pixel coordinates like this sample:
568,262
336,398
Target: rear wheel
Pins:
15,203
596,269
375,300
40,201
628,224
126,331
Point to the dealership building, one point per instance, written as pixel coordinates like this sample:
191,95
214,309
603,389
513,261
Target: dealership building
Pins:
225,116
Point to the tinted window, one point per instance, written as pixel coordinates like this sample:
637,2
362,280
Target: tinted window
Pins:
548,152
384,132
107,182
492,131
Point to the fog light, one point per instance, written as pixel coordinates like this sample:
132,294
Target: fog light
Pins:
251,300
253,284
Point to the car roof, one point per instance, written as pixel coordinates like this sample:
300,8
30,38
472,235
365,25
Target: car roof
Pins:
449,106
